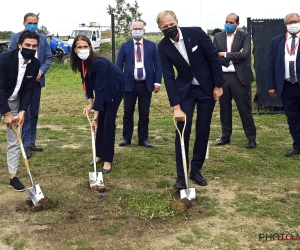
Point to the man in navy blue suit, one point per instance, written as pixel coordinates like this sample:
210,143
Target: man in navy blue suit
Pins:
139,60
284,75
45,57
198,82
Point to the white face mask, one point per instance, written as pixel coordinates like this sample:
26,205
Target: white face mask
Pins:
293,28
137,34
83,54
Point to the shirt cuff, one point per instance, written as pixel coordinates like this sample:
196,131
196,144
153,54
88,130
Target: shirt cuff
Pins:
157,84
225,54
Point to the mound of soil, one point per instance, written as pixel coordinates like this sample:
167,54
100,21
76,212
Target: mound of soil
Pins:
44,203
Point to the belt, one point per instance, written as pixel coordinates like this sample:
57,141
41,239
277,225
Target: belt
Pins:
140,81
229,73
287,81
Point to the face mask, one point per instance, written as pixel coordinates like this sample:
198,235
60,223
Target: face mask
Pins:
27,53
293,28
83,54
137,34
229,28
31,27
171,32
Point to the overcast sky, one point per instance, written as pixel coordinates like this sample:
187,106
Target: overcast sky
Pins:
63,16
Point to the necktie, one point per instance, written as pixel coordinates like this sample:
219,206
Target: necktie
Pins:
292,63
139,58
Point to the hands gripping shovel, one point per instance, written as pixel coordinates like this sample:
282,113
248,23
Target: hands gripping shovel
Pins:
95,178
189,193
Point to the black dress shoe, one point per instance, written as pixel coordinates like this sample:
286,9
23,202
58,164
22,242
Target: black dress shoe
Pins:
292,152
145,144
251,144
198,178
106,171
223,141
124,143
27,152
35,148
180,183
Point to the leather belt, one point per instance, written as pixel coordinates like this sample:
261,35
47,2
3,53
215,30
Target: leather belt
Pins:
140,81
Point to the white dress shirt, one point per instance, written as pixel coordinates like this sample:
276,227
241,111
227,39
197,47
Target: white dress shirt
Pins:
135,59
229,40
287,57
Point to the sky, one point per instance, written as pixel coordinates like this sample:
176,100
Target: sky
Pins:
63,16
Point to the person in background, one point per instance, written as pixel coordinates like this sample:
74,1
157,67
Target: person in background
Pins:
139,59
103,83
29,131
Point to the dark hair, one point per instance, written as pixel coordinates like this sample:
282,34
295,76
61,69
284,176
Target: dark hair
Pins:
28,34
75,61
30,14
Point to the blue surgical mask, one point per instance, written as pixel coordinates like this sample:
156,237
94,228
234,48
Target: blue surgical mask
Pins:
229,28
137,34
31,27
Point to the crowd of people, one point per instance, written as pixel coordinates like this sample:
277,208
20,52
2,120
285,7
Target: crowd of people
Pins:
197,72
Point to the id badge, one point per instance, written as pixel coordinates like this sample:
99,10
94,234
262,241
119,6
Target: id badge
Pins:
291,58
139,65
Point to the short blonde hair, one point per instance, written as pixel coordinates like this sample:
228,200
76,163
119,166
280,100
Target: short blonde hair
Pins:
164,13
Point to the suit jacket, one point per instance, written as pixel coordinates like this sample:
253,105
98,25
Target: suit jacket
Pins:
44,53
276,66
242,60
204,65
9,67
105,80
126,62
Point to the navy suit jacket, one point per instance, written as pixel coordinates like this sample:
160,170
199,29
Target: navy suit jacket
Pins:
276,67
105,80
126,62
205,64
44,53
9,67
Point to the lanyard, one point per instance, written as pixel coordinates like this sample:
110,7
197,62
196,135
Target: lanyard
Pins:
139,59
84,71
287,47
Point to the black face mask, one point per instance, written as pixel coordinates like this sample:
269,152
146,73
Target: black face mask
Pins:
171,32
28,53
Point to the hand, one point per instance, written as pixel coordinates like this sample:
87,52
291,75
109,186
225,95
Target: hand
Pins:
94,126
218,92
221,54
156,88
21,118
273,93
87,109
39,75
9,119
179,115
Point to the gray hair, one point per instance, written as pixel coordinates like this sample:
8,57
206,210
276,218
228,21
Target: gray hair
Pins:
291,14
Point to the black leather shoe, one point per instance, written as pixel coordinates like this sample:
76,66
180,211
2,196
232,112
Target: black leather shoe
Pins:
28,152
223,141
106,171
198,178
251,144
124,143
180,183
34,148
145,144
292,152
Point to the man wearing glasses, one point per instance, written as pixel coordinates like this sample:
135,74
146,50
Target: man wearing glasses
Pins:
284,75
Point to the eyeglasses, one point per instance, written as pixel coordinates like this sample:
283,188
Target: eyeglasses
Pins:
292,22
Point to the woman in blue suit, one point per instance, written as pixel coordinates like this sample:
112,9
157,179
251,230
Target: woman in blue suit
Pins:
103,83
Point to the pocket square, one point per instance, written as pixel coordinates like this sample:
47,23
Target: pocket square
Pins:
193,49
28,76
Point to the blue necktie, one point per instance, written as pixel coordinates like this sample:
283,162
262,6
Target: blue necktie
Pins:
292,63
139,58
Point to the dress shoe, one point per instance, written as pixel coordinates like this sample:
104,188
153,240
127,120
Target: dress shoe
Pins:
106,171
35,148
292,152
198,178
251,144
27,152
180,183
124,143
145,144
223,141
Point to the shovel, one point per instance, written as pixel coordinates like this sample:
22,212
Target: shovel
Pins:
35,191
189,193
95,178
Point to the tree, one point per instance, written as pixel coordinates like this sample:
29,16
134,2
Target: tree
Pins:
216,30
43,30
5,35
125,14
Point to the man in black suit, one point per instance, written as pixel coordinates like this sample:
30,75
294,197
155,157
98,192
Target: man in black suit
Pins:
233,46
198,82
284,75
18,72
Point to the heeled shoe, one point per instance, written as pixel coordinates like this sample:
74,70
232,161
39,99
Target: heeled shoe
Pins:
106,171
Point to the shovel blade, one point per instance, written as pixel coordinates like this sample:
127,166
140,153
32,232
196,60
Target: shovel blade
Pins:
96,179
35,193
189,193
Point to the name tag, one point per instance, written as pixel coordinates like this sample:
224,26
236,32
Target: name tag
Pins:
139,65
291,58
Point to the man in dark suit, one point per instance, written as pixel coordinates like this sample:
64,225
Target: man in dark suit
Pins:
45,57
18,71
233,46
198,82
284,74
139,60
